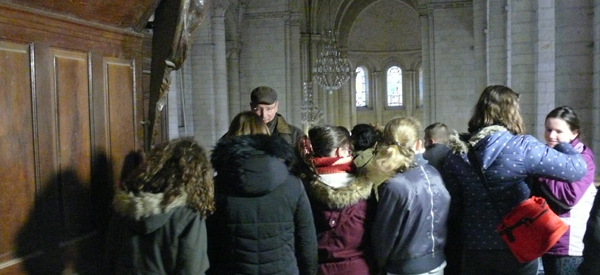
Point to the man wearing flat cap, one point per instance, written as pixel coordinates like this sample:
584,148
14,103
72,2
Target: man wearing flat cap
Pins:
263,101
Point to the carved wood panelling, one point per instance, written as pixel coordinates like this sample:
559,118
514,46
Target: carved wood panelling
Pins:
68,102
71,81
120,109
17,159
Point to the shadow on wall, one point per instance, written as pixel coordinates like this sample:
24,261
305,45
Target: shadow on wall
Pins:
64,233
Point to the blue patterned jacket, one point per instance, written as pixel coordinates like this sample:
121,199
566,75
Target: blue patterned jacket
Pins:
508,160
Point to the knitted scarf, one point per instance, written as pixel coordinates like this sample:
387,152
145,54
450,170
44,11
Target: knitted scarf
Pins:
332,165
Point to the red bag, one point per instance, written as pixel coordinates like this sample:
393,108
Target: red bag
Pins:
531,229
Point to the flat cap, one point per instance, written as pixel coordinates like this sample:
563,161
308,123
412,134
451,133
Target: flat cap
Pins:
263,95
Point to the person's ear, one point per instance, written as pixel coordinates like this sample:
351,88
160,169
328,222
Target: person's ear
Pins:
418,146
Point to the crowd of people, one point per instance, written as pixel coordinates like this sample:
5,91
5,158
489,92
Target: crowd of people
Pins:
398,199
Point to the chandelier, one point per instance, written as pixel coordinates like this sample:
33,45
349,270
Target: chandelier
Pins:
331,70
310,114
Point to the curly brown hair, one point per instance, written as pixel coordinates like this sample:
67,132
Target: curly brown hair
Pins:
174,168
497,105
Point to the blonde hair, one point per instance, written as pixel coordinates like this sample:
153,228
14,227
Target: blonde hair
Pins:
247,123
400,135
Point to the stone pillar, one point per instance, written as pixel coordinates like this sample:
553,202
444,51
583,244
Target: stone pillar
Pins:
427,65
409,91
236,102
219,72
545,60
380,95
293,69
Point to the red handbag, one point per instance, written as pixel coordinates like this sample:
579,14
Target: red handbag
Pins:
531,229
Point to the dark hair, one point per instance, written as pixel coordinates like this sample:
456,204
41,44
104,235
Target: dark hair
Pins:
497,105
567,114
438,131
321,140
346,131
175,167
365,136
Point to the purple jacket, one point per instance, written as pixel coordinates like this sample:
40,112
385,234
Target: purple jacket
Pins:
572,202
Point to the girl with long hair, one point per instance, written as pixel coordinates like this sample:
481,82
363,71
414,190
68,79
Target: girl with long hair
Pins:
497,148
160,211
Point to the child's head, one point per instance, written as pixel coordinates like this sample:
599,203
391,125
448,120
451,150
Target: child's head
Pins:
562,125
401,136
247,123
436,133
175,168
497,105
329,141
364,136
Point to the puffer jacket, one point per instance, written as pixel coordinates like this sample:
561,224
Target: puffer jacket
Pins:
342,216
507,160
145,237
572,202
263,223
409,232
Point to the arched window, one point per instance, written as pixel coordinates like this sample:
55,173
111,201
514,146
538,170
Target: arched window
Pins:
394,87
361,87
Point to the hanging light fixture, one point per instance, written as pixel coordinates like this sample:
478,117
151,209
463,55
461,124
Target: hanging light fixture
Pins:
310,113
331,70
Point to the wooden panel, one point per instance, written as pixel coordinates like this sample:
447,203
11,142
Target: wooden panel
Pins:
121,110
73,110
117,13
17,159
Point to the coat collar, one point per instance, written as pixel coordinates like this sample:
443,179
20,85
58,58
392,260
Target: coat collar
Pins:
462,143
144,204
337,198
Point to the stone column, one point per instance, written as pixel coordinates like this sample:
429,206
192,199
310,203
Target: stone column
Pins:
219,72
236,102
408,91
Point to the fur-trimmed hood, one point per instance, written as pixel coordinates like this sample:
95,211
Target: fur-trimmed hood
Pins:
461,143
337,198
251,165
488,149
145,209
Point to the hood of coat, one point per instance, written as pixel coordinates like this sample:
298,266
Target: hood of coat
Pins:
485,142
251,165
357,189
144,210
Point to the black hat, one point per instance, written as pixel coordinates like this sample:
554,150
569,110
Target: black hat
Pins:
263,95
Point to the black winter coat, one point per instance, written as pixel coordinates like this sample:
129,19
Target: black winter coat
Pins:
263,222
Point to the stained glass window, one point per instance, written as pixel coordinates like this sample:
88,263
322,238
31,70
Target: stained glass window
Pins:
394,86
361,87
